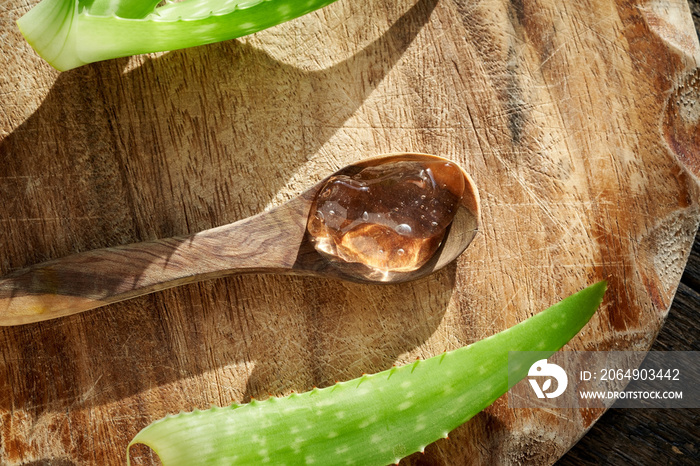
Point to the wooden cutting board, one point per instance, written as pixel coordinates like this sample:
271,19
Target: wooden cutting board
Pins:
580,124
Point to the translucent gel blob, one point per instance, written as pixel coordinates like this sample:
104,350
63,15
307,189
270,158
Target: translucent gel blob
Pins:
390,217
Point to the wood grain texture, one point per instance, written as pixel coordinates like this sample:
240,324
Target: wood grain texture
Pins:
577,122
265,243
276,241
650,436
622,437
653,436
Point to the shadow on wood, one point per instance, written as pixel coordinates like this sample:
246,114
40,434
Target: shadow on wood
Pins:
132,179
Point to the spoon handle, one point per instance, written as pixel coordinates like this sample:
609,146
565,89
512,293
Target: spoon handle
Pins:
267,242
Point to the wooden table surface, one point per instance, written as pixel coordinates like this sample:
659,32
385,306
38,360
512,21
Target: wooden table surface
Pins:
654,436
577,121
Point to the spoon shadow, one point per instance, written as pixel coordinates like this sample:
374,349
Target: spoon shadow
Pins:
132,180
120,172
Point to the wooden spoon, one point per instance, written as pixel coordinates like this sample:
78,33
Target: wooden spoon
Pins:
286,239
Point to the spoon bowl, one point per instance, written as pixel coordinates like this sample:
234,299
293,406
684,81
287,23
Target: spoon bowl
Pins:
294,238
398,204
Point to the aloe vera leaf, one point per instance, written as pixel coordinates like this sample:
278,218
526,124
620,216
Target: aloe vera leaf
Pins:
120,8
71,33
375,419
